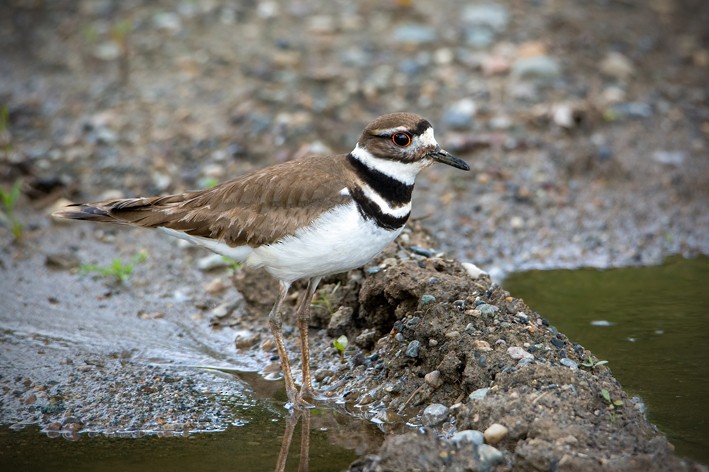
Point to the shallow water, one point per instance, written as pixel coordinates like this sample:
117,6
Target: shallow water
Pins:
333,445
656,338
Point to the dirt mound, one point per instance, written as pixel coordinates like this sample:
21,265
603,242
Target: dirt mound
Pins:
452,354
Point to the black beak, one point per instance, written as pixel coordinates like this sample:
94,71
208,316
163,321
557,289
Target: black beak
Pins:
447,158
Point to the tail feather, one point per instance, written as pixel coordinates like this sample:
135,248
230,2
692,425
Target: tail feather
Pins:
84,211
125,211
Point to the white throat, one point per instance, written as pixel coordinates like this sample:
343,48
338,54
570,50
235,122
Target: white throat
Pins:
405,172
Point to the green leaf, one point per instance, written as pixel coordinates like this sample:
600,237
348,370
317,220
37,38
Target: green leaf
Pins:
606,396
341,343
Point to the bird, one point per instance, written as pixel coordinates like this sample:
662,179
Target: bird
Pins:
301,219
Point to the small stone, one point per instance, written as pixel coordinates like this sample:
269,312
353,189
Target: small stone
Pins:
516,352
214,286
340,321
492,16
245,339
412,350
433,378
487,310
211,262
426,300
473,271
460,115
421,251
322,374
479,394
489,456
167,21
617,66
225,309
495,433
523,317
480,345
516,222
537,67
374,270
107,51
413,34
434,414
468,436
669,158
569,363
366,338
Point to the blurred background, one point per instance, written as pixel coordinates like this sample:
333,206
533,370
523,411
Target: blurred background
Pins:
585,123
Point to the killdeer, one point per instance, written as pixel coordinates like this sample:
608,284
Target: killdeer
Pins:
303,219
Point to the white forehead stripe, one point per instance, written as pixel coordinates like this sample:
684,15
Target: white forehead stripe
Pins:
427,139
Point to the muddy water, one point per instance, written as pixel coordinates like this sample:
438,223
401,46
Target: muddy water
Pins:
254,446
650,323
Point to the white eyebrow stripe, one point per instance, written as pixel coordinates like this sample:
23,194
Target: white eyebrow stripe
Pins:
389,131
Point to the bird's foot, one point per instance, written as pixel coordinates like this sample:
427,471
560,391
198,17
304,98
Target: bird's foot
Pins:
300,401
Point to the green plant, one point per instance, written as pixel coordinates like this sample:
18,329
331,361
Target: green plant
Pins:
591,364
9,199
118,270
611,405
324,299
233,265
341,344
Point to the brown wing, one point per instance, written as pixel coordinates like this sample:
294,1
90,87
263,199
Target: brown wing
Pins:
257,208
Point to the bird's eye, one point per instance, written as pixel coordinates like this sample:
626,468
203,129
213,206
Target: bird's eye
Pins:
401,139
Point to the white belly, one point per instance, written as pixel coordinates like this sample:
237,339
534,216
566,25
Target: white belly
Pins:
338,241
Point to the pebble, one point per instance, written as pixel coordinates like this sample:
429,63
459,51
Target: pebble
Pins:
434,379
421,251
245,339
617,66
468,436
516,352
426,300
412,350
414,34
340,320
211,262
569,363
480,345
434,414
473,271
482,23
107,51
215,286
538,68
670,158
495,433
460,114
632,110
492,16
489,456
487,310
167,21
479,394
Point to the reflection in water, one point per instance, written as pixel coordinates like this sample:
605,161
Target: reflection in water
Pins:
291,422
329,440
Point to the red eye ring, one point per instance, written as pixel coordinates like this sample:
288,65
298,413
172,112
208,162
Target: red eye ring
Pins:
401,139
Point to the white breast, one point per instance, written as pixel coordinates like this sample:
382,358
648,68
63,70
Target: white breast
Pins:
338,241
